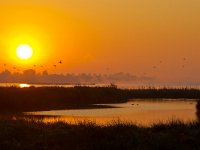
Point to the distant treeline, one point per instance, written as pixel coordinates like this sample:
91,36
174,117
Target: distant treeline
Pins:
169,93
48,98
30,76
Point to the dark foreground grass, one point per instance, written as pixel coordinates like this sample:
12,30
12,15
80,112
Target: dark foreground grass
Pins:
34,134
37,135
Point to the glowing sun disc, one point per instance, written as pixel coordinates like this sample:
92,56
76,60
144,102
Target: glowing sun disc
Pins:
24,51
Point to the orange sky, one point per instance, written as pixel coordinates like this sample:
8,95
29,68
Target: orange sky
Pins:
105,36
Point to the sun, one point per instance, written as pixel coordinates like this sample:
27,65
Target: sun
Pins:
24,51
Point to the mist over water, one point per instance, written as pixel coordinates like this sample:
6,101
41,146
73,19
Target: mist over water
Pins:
119,85
31,76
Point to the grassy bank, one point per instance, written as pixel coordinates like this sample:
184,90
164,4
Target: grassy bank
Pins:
21,134
48,98
31,134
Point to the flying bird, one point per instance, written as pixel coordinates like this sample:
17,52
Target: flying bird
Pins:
154,67
54,65
60,62
144,73
108,69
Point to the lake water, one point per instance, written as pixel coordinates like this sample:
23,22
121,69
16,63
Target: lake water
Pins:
142,112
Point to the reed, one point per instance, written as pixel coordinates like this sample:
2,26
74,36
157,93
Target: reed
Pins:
35,134
14,99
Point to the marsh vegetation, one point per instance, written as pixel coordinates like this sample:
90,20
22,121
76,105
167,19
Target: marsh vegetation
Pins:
19,132
14,99
34,134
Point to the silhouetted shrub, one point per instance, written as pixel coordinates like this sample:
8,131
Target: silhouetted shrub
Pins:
198,110
33,135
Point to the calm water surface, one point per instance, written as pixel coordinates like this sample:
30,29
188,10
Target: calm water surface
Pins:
143,112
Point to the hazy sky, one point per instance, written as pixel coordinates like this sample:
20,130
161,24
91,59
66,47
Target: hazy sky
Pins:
159,38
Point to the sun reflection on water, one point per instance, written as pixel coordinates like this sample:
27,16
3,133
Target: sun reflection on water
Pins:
24,85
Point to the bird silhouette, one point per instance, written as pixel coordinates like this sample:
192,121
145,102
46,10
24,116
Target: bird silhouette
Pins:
54,65
60,62
144,73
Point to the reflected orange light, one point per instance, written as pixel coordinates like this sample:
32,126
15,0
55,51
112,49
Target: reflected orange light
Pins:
23,85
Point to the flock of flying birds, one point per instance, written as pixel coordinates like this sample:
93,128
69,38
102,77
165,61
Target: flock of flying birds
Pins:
161,62
61,62
55,65
41,66
183,66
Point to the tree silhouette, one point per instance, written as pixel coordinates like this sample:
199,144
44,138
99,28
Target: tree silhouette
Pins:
198,110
